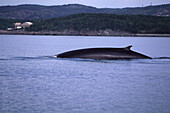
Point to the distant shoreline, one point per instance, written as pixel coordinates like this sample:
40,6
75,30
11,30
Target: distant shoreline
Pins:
65,33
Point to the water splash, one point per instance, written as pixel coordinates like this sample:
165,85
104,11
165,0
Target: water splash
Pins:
27,58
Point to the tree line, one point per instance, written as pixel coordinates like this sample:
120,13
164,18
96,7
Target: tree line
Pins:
95,22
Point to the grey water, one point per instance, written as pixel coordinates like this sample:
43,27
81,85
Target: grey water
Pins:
33,81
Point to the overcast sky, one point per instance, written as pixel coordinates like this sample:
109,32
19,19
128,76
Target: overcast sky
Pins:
95,3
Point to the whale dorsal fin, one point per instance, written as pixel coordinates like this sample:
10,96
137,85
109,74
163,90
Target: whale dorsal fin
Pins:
128,47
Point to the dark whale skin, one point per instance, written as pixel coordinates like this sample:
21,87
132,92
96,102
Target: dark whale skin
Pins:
103,54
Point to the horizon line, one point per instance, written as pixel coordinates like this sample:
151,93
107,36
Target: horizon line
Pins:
84,5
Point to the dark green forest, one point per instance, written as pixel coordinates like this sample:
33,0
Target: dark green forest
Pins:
95,22
6,23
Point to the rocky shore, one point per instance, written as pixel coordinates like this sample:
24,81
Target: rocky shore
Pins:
83,33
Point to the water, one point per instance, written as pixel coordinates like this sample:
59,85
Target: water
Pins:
33,82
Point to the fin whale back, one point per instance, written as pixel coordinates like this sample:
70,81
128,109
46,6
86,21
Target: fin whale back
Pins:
128,47
103,54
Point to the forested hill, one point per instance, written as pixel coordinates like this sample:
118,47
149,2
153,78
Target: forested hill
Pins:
96,22
8,23
38,12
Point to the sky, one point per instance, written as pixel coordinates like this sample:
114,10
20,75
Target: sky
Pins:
94,3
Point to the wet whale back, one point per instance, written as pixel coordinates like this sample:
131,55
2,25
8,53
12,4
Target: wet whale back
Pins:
103,53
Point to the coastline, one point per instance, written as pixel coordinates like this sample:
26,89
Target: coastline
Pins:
90,33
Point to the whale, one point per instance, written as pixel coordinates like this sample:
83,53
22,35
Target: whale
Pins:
103,54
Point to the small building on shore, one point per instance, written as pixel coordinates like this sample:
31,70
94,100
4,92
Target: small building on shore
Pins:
17,25
26,24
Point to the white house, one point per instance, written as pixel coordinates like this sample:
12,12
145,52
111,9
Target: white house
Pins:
26,24
17,25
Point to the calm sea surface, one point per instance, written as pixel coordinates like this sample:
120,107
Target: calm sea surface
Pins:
32,81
